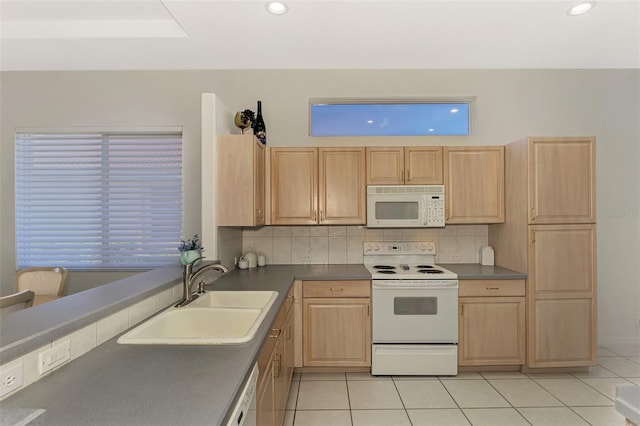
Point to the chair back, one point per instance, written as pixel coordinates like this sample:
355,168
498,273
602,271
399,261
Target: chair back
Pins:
16,301
46,283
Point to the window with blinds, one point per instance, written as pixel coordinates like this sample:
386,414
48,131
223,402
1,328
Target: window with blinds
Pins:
98,201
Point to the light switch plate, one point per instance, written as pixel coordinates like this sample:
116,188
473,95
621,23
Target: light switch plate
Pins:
52,358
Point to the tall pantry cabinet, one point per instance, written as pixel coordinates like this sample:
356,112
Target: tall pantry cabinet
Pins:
550,233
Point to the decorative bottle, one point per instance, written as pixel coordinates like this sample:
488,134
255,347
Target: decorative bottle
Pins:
259,128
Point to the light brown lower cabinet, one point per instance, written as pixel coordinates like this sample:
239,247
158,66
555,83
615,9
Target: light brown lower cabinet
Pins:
275,365
491,326
336,323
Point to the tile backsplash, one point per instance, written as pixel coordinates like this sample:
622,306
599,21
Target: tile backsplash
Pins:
343,244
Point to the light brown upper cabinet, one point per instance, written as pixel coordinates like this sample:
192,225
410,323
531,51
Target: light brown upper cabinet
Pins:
474,184
318,186
404,165
241,181
562,179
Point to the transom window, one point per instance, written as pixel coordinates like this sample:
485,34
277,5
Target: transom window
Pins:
389,118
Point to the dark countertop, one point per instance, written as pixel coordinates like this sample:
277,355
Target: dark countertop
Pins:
167,385
164,385
475,271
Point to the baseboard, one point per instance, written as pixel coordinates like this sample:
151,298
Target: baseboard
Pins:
619,341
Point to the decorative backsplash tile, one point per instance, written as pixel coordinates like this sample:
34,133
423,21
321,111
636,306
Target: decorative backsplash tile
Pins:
343,244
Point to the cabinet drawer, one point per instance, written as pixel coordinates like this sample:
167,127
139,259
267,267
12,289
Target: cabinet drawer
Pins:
480,288
360,288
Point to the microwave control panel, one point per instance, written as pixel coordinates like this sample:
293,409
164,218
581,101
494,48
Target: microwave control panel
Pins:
434,206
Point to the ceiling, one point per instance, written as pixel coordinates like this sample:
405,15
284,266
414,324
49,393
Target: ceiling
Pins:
326,34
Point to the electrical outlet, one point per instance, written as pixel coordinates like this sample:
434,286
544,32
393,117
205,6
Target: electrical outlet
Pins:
52,358
10,379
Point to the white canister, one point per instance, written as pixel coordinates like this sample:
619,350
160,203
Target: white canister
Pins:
262,260
487,256
251,258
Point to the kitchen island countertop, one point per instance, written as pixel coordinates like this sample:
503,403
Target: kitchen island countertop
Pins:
123,385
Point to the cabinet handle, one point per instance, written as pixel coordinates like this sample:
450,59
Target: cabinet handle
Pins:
276,333
493,288
408,176
368,312
337,289
276,366
461,309
402,175
315,215
321,216
288,333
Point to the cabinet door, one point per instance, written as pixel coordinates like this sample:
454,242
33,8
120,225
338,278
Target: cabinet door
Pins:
265,413
385,165
561,180
240,199
491,331
562,295
259,183
280,385
423,165
294,186
337,332
342,188
474,184
562,260
562,333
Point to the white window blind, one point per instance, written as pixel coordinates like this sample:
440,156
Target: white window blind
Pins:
98,201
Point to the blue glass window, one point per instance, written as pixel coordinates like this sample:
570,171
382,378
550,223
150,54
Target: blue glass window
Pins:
389,119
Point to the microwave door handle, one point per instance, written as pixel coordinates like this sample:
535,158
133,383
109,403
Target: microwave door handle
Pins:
425,209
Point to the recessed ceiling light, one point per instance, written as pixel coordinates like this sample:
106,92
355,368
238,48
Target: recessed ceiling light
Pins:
277,8
581,8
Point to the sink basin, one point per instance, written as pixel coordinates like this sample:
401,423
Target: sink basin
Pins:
236,299
232,317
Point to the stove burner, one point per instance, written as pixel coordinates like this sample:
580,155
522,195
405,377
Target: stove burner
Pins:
386,271
384,267
429,271
424,266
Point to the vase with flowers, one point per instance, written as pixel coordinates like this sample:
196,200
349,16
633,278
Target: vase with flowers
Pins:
190,250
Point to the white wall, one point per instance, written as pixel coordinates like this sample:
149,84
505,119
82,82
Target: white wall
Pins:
510,104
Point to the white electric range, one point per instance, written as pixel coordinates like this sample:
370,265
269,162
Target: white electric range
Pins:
414,310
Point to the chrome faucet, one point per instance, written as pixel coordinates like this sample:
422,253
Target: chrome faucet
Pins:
189,278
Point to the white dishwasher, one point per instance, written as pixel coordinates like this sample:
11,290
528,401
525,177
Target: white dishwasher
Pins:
244,413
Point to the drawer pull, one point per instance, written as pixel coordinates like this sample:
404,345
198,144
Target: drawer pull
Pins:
493,288
276,333
337,289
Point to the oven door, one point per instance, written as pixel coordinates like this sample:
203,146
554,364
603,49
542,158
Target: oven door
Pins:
414,314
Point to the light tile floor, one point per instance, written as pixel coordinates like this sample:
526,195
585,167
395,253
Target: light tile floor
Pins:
479,399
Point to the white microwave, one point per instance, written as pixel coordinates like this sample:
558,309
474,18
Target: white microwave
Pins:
405,206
